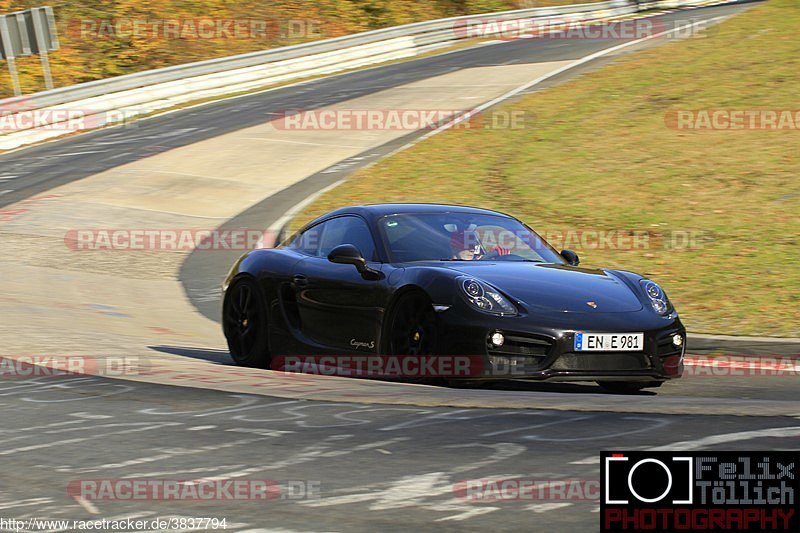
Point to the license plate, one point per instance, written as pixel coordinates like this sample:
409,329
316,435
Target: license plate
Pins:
609,342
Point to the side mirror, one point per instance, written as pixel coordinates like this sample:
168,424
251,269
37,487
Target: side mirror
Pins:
571,257
347,254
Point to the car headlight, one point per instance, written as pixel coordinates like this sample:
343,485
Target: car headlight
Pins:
486,298
657,296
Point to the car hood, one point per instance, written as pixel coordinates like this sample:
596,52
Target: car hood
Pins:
556,287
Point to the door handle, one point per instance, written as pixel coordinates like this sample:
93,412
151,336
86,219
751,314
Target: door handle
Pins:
300,280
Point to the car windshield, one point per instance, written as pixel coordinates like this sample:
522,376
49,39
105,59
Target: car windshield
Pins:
462,237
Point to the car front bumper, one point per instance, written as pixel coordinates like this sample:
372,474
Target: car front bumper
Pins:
541,346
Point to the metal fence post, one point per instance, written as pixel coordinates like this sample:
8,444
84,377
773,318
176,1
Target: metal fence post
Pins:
38,14
8,52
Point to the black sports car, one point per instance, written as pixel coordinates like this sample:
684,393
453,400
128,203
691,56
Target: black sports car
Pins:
401,280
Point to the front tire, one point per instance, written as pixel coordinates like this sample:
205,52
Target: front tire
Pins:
411,326
244,322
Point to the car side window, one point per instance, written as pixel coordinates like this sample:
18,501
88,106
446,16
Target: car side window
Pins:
346,230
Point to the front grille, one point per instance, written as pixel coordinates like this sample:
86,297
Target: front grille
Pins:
602,361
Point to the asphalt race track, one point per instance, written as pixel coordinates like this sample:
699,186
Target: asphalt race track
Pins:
396,467
384,454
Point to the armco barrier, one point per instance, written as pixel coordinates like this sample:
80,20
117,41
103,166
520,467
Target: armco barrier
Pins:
48,114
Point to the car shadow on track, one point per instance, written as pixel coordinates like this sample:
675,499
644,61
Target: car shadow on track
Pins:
222,357
552,387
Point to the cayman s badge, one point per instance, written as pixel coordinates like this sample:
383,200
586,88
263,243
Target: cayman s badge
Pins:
593,305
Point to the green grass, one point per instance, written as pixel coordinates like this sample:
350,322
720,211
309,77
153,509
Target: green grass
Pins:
599,156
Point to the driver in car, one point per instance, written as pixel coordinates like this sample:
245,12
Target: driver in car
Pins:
461,245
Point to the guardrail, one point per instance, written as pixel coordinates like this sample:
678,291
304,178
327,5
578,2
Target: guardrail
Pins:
48,114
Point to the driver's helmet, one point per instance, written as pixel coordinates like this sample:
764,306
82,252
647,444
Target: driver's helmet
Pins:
460,240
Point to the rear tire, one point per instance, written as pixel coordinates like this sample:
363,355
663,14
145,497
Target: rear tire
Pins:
244,322
628,387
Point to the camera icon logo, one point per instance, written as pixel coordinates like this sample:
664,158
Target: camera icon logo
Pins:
648,480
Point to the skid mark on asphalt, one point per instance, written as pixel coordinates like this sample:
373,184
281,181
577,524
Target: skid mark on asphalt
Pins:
294,414
329,448
713,440
185,471
544,507
48,390
562,420
163,455
134,427
651,424
24,503
16,431
348,417
739,436
242,401
432,491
